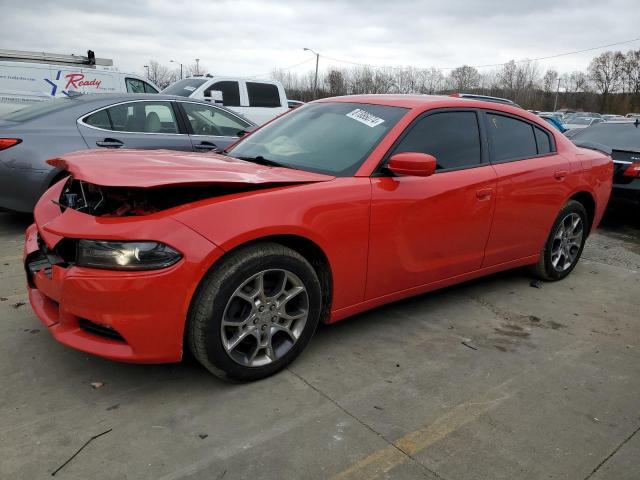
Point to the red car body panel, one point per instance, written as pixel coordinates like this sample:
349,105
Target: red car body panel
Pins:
384,238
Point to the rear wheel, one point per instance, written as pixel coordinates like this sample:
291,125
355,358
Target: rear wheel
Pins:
254,312
564,244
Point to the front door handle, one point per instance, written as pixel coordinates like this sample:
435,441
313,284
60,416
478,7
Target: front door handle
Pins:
560,174
109,143
206,146
484,193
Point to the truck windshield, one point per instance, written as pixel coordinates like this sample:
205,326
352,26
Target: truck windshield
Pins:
332,138
37,109
185,87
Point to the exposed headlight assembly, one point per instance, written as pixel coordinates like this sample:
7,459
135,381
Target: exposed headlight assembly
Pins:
115,255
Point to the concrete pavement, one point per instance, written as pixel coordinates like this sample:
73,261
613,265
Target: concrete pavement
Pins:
492,379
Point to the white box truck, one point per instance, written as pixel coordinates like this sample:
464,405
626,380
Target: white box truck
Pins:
27,77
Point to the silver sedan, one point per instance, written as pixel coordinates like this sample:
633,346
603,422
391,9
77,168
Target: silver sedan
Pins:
31,136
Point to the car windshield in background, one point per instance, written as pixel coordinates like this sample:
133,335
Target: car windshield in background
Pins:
618,136
38,109
579,121
332,138
185,87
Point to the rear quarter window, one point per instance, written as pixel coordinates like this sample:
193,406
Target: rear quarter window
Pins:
511,139
263,95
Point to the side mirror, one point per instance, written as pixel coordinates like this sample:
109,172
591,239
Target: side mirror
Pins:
412,163
214,96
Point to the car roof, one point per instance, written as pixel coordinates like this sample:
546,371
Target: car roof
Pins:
428,102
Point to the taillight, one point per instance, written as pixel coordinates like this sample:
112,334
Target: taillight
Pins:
8,142
632,170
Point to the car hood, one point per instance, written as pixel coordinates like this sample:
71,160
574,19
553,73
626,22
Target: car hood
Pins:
157,168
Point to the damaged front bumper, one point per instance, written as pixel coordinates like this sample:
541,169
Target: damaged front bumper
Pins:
133,316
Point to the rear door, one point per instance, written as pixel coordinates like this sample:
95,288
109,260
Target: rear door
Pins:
211,128
425,229
531,187
136,124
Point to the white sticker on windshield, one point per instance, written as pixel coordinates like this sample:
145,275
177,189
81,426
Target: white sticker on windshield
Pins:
190,88
365,117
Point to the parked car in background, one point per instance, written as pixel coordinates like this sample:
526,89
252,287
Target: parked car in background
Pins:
576,123
632,115
32,135
555,122
557,115
335,208
609,117
621,140
30,77
257,100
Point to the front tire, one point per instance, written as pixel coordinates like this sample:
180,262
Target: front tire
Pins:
564,244
254,312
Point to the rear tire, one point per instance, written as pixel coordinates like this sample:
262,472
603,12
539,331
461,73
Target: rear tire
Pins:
254,312
564,244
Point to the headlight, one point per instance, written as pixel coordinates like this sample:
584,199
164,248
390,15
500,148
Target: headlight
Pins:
114,255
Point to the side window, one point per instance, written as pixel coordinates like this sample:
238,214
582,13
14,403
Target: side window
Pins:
206,120
143,117
452,137
512,139
149,89
230,92
263,95
543,141
99,120
134,85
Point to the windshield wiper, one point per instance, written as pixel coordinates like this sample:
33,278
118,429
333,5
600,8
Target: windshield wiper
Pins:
261,160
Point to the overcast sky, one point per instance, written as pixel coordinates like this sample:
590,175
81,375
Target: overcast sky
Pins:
252,37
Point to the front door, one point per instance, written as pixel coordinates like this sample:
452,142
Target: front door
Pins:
425,229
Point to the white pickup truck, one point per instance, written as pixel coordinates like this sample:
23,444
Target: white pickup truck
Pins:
258,100
28,77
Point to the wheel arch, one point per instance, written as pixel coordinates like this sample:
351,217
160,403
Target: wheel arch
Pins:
588,202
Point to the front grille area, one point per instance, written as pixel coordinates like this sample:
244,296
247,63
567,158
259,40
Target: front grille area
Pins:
99,330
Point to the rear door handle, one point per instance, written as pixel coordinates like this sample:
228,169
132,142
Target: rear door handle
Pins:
109,143
560,174
206,146
484,193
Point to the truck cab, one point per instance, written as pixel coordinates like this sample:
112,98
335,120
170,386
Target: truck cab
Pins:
258,100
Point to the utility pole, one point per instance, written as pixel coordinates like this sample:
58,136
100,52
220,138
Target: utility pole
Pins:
197,66
555,103
147,67
315,81
173,61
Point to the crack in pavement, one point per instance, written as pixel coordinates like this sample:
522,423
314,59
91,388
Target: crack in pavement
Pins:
608,457
400,450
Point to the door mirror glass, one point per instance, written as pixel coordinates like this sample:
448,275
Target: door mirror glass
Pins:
214,96
412,163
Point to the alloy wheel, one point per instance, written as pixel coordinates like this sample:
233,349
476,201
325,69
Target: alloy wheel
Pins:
264,317
567,242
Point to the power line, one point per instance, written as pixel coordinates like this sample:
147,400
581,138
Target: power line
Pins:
284,68
490,64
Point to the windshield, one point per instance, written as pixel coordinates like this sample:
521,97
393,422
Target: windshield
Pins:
618,136
332,138
185,87
38,109
580,121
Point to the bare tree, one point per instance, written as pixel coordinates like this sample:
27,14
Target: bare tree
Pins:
161,75
464,78
432,81
606,73
336,83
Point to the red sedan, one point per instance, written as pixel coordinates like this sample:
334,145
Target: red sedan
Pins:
337,207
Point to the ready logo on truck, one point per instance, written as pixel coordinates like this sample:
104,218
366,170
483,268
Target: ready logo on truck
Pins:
73,82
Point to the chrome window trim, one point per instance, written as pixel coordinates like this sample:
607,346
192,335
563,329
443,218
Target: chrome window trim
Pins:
623,162
80,120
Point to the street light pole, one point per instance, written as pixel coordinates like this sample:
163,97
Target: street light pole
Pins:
555,103
315,81
197,66
147,67
173,61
